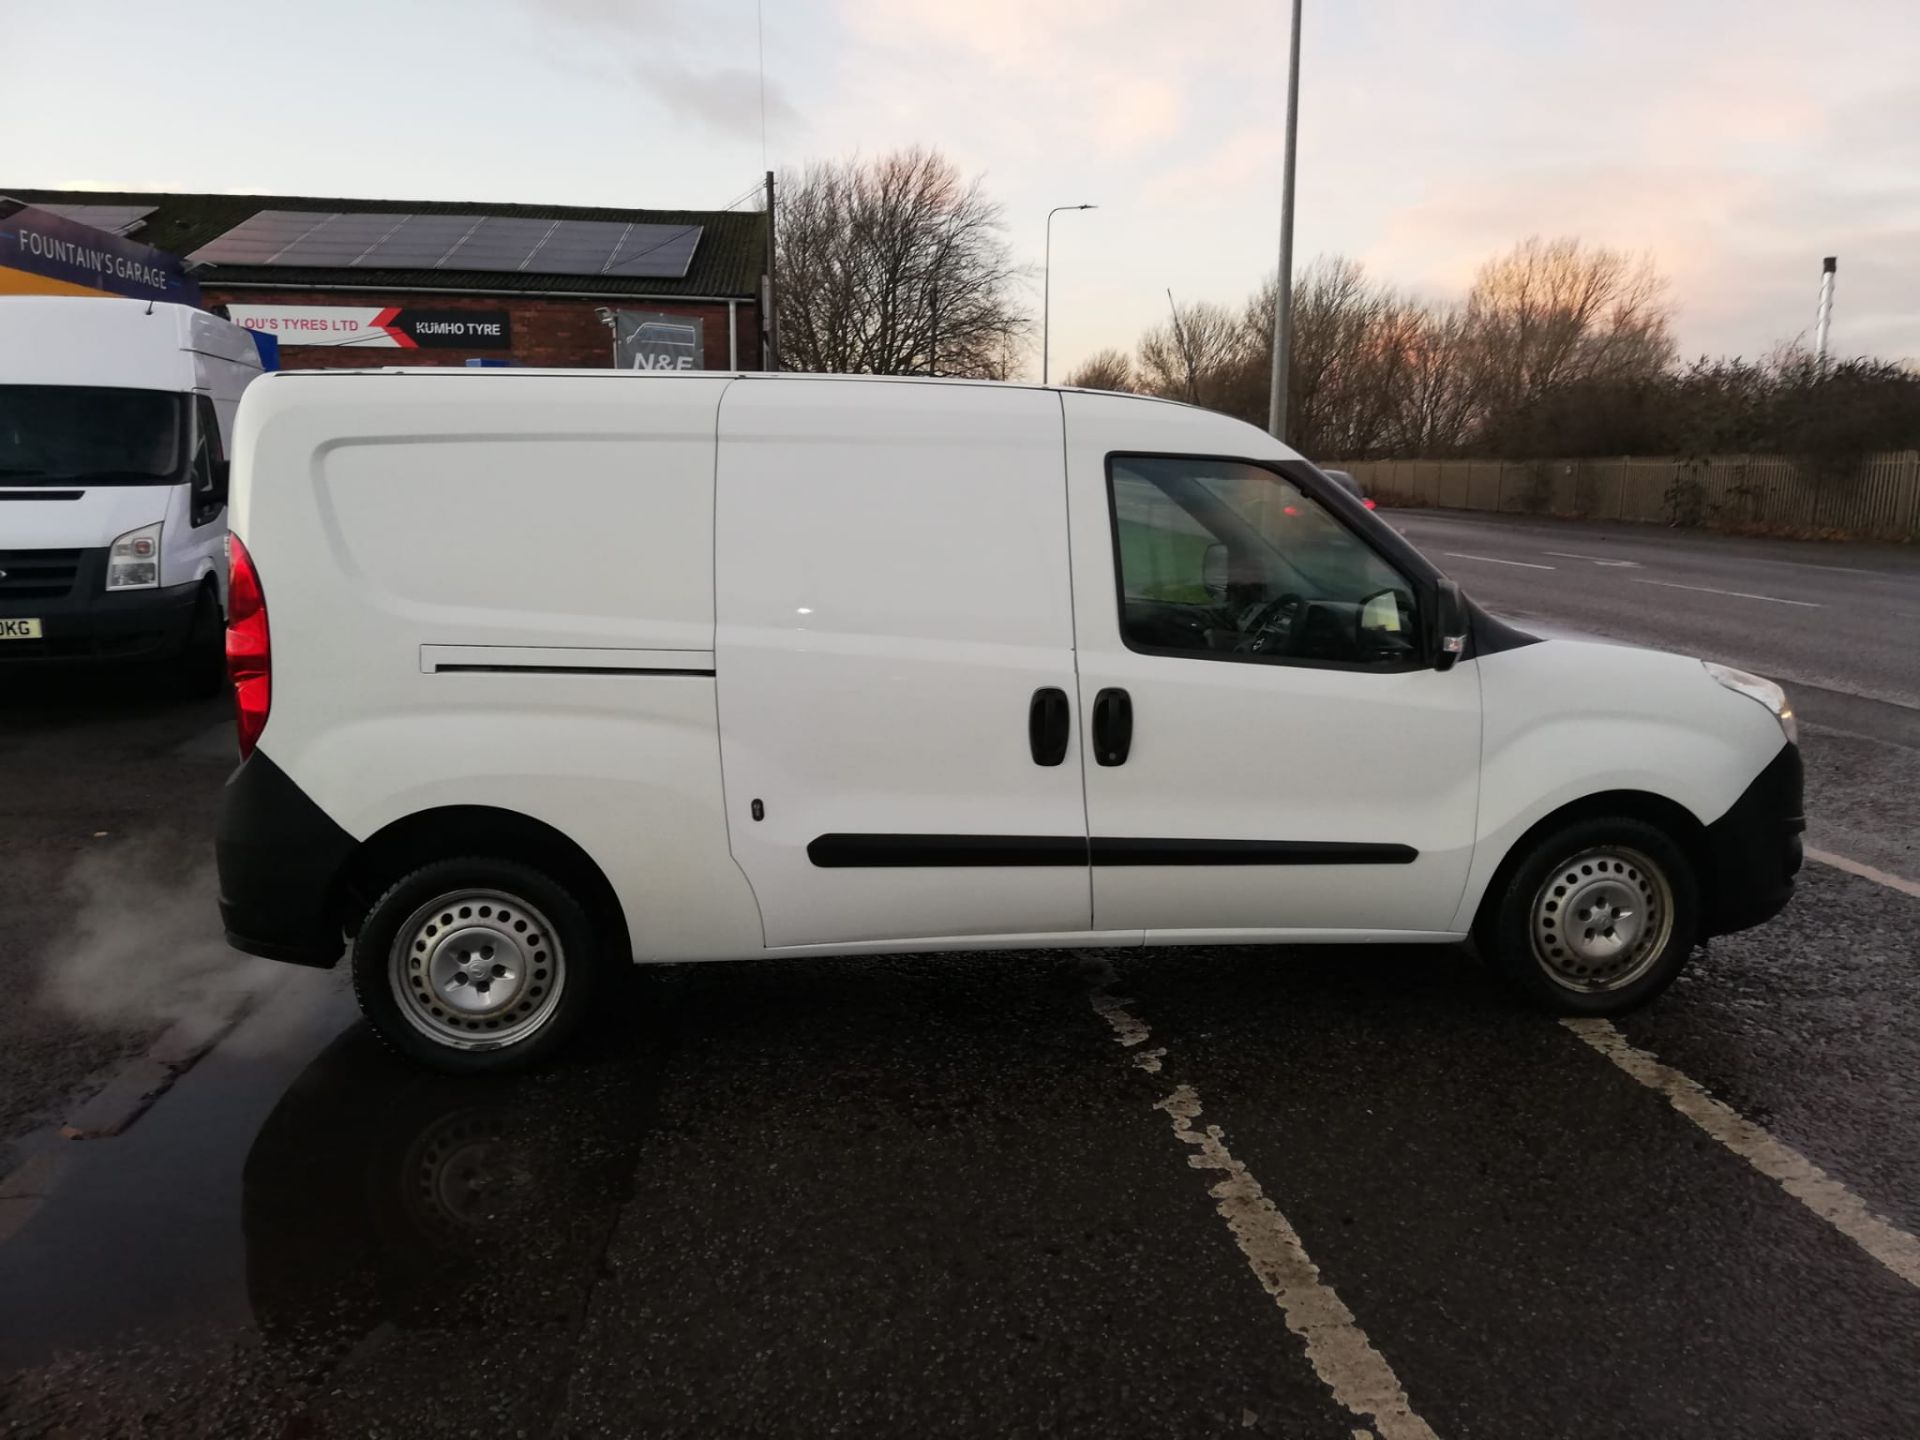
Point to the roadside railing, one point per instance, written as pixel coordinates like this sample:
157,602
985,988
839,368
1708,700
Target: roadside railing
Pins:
1757,494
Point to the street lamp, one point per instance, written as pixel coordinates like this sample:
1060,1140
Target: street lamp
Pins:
1046,285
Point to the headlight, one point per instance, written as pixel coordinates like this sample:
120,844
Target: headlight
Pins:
134,561
1755,688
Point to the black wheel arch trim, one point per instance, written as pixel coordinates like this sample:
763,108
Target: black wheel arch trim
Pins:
281,859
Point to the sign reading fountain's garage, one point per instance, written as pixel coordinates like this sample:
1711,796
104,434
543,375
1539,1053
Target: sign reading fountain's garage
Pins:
396,327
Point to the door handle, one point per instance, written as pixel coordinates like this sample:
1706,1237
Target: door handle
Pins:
1047,727
1112,727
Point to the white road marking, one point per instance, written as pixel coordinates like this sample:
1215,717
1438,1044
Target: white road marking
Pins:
1491,560
1825,1196
1737,594
1866,872
1596,559
1337,1348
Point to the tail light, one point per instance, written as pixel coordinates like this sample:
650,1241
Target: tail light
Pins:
249,651
1368,502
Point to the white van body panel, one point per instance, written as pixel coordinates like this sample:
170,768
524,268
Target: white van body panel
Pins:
1234,751
892,590
1566,719
101,513
417,520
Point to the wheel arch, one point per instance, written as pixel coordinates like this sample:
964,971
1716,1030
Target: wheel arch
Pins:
453,830
1669,816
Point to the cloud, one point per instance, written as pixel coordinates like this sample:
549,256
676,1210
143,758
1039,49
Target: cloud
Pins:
692,72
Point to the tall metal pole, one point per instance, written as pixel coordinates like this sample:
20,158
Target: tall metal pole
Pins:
1283,291
1046,286
1825,323
771,326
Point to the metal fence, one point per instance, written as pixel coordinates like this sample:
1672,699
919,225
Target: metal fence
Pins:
1758,493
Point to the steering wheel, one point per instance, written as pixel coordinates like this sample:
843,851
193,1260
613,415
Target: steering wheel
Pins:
1271,627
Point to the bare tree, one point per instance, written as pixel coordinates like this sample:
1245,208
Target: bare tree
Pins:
896,266
1104,370
1353,345
1553,313
1440,399
1194,356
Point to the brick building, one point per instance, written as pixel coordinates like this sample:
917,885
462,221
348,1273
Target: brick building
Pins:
352,283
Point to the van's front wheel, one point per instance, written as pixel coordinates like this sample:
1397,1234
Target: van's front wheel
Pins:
1598,919
476,964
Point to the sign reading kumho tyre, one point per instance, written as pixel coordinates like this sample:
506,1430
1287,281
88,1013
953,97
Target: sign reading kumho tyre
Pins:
393,327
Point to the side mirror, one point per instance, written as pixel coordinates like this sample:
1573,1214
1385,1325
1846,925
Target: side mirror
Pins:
1450,625
1214,571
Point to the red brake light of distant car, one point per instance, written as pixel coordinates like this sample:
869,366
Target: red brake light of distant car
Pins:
1368,502
1291,510
249,650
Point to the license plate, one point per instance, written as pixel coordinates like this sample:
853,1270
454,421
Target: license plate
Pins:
19,629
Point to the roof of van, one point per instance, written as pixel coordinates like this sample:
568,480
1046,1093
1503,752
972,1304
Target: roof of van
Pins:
727,262
103,340
784,377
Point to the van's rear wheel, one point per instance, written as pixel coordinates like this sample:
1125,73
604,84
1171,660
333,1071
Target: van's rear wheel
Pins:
1599,917
476,964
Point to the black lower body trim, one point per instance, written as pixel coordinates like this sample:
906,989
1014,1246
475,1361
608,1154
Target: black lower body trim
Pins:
834,852
1130,851
1754,850
281,858
837,852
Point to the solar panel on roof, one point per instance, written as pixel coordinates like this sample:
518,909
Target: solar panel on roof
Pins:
655,251
398,240
119,219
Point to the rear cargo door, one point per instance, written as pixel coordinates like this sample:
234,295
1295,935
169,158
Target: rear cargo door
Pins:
894,646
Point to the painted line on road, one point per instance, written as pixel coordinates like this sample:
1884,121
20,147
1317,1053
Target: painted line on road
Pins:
1737,594
1337,1348
1596,559
1866,872
1491,560
1825,1196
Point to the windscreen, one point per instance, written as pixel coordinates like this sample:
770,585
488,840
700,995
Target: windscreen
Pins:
93,435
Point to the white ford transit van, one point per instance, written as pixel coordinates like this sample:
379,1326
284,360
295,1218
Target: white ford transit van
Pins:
114,421
537,672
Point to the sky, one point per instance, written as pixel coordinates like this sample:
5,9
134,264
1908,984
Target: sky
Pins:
1735,143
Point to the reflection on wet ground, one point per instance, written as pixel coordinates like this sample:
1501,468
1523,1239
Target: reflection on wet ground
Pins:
378,1194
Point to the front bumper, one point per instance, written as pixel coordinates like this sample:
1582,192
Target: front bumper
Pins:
89,623
1754,850
282,860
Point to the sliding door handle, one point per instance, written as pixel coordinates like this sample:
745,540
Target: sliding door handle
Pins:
1112,727
1047,726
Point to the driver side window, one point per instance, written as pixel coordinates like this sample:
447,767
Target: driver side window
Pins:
1225,560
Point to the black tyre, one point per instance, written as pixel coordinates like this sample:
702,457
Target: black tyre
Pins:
476,964
203,664
1598,918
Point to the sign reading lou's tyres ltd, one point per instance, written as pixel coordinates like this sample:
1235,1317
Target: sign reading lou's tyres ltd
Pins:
394,327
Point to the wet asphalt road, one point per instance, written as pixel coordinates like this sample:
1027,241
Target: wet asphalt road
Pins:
933,1195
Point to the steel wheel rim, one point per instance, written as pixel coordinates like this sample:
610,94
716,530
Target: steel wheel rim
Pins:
1601,919
477,969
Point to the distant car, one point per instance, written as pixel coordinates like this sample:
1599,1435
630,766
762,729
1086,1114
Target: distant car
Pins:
1352,486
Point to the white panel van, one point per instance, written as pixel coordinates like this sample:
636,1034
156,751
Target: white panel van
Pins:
539,672
114,422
